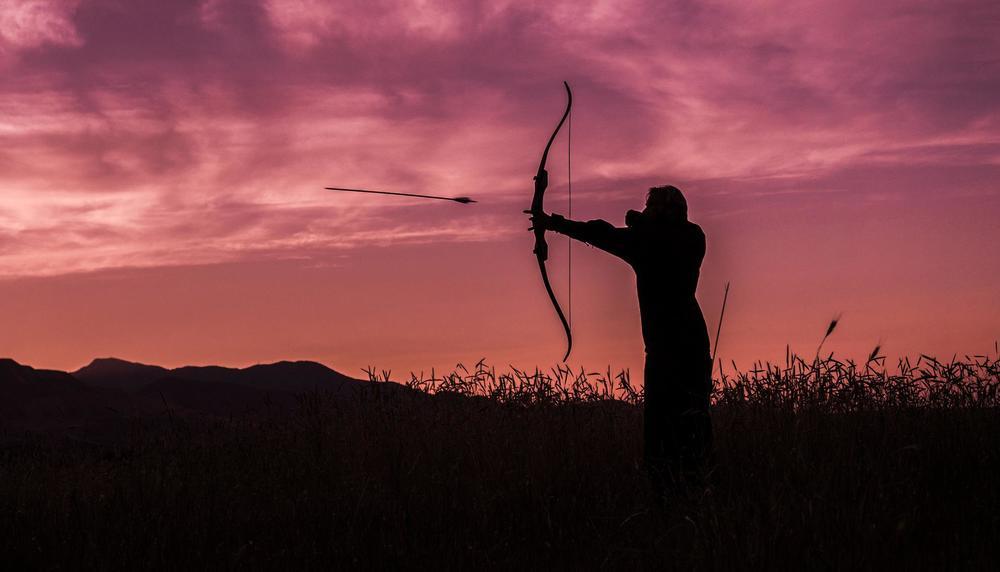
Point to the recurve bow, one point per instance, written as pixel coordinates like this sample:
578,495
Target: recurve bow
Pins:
541,247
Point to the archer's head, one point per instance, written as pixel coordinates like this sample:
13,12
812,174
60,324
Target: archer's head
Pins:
665,203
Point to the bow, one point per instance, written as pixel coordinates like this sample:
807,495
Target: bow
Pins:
541,247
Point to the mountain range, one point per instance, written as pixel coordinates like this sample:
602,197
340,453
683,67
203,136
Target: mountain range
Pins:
296,376
110,389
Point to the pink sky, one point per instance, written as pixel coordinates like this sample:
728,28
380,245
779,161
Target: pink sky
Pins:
162,165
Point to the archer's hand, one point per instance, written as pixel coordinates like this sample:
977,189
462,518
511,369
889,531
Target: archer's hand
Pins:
544,221
542,179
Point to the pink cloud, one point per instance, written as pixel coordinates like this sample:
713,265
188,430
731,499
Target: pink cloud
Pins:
452,96
147,133
33,23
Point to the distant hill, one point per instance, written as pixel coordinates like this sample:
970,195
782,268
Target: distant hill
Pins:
39,398
119,374
293,376
13,374
108,391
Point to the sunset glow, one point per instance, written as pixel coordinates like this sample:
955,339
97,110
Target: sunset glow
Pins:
162,169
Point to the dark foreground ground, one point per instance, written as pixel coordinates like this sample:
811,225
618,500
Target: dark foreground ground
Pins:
393,480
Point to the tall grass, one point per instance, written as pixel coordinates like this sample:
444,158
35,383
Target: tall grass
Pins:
818,464
823,383
832,385
525,387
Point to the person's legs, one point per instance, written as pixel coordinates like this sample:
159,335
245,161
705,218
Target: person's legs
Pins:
655,431
660,424
694,431
677,428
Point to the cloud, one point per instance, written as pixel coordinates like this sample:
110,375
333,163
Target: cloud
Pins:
150,132
32,23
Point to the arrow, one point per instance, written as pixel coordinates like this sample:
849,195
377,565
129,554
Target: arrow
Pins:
463,200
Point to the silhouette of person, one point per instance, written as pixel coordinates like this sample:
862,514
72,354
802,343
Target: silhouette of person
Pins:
665,250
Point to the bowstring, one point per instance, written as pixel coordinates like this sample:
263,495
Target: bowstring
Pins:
569,243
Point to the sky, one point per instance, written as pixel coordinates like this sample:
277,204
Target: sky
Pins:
162,167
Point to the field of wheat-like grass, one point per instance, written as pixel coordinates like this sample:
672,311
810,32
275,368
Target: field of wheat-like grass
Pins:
818,464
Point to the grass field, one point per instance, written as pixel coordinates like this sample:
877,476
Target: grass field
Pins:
818,464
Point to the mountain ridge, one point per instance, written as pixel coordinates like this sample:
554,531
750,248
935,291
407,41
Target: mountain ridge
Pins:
285,375
108,391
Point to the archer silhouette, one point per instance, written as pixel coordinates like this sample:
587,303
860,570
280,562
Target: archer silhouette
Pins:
665,250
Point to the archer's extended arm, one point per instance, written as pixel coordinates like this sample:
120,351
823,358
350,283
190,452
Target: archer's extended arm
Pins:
599,233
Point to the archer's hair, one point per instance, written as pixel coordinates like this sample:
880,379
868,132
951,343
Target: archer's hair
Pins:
669,195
